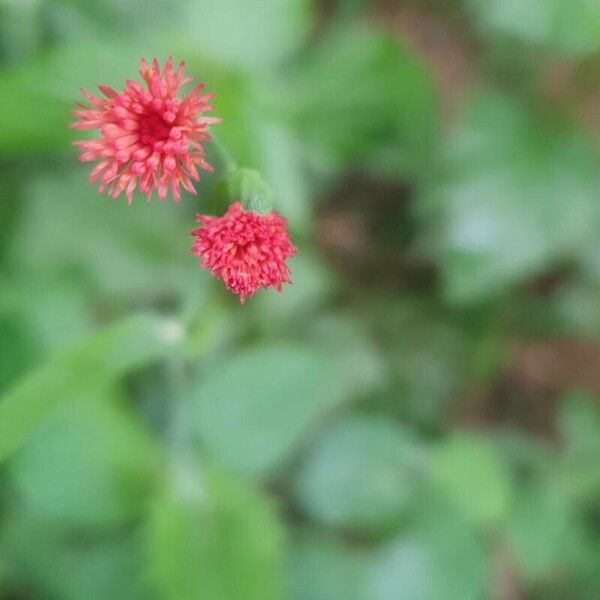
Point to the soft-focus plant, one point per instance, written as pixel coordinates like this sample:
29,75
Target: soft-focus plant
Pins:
416,417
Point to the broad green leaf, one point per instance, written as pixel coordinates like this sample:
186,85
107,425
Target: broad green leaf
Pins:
570,27
579,425
362,474
254,34
83,372
356,357
576,309
53,314
440,560
132,254
213,538
18,347
427,358
40,557
20,29
323,569
74,20
35,100
468,470
360,95
37,122
252,411
518,194
579,422
526,455
538,529
403,569
87,465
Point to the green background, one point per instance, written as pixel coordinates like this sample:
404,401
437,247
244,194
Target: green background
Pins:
416,418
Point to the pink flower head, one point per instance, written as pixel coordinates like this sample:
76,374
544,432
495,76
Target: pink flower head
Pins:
245,249
149,138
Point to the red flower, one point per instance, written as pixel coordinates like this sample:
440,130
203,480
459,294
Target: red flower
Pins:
245,249
148,137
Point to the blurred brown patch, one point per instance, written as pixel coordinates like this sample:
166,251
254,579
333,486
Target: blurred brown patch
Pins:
576,87
364,228
438,35
558,365
527,393
439,41
505,582
549,282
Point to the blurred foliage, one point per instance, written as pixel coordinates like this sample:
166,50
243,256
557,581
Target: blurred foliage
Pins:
570,27
501,208
417,417
212,537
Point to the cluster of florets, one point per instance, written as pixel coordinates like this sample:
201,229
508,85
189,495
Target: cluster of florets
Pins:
151,139
245,249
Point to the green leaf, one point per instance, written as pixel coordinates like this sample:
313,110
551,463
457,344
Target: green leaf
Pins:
20,29
253,410
356,357
35,100
49,563
579,425
80,21
538,529
426,362
131,256
213,538
575,309
468,470
440,560
255,34
361,474
53,314
518,195
571,27
405,565
81,373
24,352
359,95
323,569
86,466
